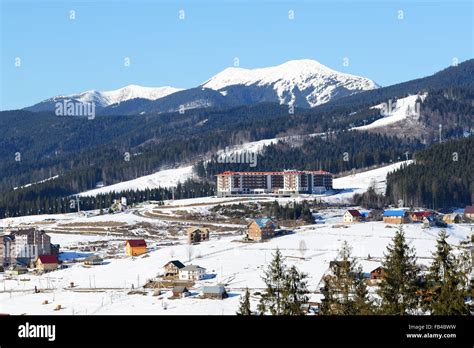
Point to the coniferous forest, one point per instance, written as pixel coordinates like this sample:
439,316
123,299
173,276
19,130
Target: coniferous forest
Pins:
441,177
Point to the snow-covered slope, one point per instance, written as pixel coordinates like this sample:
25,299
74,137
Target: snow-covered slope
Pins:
163,178
106,98
299,82
396,111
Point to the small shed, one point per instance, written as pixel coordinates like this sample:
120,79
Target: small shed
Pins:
180,291
352,215
93,260
15,270
452,218
215,292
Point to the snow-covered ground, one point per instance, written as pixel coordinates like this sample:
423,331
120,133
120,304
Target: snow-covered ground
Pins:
403,108
103,289
163,178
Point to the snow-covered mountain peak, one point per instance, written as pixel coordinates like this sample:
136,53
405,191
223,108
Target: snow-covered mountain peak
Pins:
293,81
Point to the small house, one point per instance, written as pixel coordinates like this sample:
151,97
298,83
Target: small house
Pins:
197,234
418,216
135,247
452,218
16,270
469,212
352,215
93,260
260,229
375,215
192,272
171,269
180,291
395,216
377,274
215,292
46,263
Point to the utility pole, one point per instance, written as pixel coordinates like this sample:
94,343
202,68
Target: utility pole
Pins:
440,130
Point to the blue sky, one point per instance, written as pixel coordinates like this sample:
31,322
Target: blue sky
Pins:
63,56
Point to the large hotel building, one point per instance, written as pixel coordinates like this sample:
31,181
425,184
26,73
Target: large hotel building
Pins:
279,183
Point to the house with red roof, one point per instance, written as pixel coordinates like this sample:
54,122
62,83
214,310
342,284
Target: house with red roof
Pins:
352,215
46,263
469,212
135,247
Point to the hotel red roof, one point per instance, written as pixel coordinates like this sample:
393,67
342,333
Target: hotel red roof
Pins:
275,173
136,243
48,259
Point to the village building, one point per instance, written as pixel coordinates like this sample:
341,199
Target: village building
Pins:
16,270
46,263
171,269
418,216
377,274
135,247
452,218
287,182
180,291
93,260
261,229
375,215
197,234
469,212
351,215
192,272
395,216
23,246
214,292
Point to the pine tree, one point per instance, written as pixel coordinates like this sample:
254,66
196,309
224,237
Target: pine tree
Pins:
244,308
446,281
295,291
274,278
362,305
339,285
398,291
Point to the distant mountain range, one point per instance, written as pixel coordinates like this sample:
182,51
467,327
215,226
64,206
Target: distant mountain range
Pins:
302,83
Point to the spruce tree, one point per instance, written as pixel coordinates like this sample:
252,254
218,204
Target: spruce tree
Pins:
362,305
398,291
339,284
295,291
274,278
446,281
244,308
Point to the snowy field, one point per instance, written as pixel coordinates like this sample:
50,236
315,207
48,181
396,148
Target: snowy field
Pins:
104,289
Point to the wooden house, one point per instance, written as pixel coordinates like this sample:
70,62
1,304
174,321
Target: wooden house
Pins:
180,291
377,274
46,263
375,215
197,234
171,269
260,229
469,212
192,272
215,292
135,247
351,215
398,216
93,260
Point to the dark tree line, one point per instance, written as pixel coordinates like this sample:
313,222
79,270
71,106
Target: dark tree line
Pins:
442,177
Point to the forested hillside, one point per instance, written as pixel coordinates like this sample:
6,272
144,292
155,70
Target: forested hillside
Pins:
441,178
